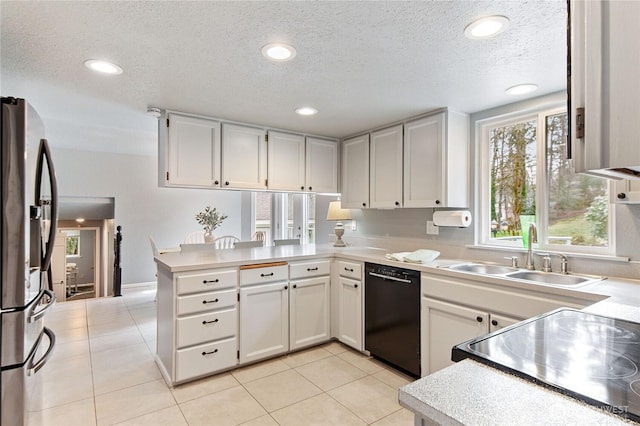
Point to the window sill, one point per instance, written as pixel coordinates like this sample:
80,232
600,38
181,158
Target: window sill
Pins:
605,257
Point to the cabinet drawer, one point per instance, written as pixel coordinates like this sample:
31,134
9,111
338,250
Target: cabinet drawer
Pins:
206,281
205,359
206,301
206,327
264,275
350,269
312,268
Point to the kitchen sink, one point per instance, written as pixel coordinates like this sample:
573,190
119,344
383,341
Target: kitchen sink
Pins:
538,277
480,268
554,279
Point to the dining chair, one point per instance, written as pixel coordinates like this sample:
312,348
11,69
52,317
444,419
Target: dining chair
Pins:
248,244
258,236
225,242
287,242
194,237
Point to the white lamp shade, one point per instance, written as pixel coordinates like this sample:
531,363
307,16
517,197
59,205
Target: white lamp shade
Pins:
336,212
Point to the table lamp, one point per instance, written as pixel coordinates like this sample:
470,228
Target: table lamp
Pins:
337,213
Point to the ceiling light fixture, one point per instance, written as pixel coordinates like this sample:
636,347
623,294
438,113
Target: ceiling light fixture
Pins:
521,89
279,52
486,27
80,220
103,67
306,110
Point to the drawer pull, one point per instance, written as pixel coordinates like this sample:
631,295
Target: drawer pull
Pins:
312,269
267,275
209,353
204,302
210,281
348,270
209,322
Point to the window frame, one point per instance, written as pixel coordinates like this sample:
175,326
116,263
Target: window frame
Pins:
483,176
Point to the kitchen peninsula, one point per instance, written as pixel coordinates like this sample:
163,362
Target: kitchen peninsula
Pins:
176,272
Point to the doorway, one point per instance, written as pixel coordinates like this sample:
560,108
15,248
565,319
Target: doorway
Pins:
75,265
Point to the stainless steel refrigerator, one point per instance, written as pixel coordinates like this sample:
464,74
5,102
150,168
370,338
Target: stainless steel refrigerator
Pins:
29,222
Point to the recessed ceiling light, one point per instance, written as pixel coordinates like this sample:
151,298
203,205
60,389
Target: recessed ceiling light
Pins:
486,27
279,52
103,67
521,89
306,111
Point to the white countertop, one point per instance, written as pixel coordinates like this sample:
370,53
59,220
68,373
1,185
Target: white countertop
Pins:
466,392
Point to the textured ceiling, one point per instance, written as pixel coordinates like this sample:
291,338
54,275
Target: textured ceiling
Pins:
362,64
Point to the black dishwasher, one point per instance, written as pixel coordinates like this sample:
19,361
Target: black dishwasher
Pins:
392,316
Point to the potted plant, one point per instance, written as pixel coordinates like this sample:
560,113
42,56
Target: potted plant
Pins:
210,220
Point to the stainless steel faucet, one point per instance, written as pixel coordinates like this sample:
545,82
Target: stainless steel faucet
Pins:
564,263
533,235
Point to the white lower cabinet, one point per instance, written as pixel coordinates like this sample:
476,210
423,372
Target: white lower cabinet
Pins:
203,359
350,313
264,321
309,312
501,321
197,323
455,310
350,302
445,325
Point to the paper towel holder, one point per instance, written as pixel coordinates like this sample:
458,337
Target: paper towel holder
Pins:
452,218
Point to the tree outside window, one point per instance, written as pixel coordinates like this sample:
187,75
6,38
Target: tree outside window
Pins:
529,179
73,243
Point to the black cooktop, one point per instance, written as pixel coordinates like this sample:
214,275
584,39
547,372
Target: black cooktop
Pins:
589,357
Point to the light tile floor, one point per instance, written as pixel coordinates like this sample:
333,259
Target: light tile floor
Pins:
103,373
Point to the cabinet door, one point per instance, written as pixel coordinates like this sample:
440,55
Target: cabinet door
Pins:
444,325
350,313
603,62
244,157
309,304
385,177
194,151
264,321
626,192
423,174
321,165
285,161
355,173
501,321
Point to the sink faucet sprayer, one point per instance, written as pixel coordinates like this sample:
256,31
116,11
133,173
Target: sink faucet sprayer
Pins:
533,235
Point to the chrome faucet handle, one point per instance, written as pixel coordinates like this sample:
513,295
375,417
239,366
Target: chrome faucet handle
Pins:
514,261
546,261
564,264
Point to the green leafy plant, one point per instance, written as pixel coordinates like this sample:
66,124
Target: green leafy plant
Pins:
210,219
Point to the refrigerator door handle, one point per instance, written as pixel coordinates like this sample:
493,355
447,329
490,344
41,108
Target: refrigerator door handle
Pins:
44,153
35,316
34,367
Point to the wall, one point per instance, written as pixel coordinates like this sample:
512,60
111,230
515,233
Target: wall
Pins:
405,229
141,207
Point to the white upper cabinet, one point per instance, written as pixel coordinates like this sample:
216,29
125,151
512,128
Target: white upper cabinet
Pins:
321,165
355,172
286,161
189,151
386,168
436,161
244,157
605,95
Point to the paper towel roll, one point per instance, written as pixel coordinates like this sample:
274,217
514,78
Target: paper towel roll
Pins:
457,218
